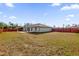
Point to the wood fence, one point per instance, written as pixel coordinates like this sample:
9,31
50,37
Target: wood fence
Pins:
65,30
10,30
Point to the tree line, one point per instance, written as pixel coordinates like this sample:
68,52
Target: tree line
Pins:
12,25
68,26
9,26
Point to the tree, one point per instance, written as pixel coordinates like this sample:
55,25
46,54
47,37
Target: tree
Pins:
68,26
12,25
2,25
17,27
54,26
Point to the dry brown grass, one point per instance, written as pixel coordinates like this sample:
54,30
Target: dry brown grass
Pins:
50,44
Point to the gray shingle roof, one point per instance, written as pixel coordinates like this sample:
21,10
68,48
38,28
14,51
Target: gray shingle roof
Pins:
38,25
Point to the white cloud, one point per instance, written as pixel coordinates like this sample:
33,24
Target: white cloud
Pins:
9,4
71,15
55,4
12,17
70,7
67,19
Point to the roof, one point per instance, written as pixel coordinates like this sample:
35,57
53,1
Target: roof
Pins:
38,25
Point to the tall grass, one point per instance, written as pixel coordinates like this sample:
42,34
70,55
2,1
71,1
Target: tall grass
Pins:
50,44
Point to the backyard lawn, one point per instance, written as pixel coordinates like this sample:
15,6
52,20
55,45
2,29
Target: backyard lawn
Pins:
46,44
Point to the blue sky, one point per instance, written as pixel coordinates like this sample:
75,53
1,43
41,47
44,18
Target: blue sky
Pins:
45,13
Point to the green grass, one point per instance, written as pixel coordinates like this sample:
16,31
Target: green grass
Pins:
50,44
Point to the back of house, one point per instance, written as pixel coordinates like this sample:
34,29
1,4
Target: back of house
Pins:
37,28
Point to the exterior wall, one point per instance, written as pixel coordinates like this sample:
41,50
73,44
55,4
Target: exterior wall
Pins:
38,29
45,29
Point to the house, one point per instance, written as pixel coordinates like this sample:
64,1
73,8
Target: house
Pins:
37,28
